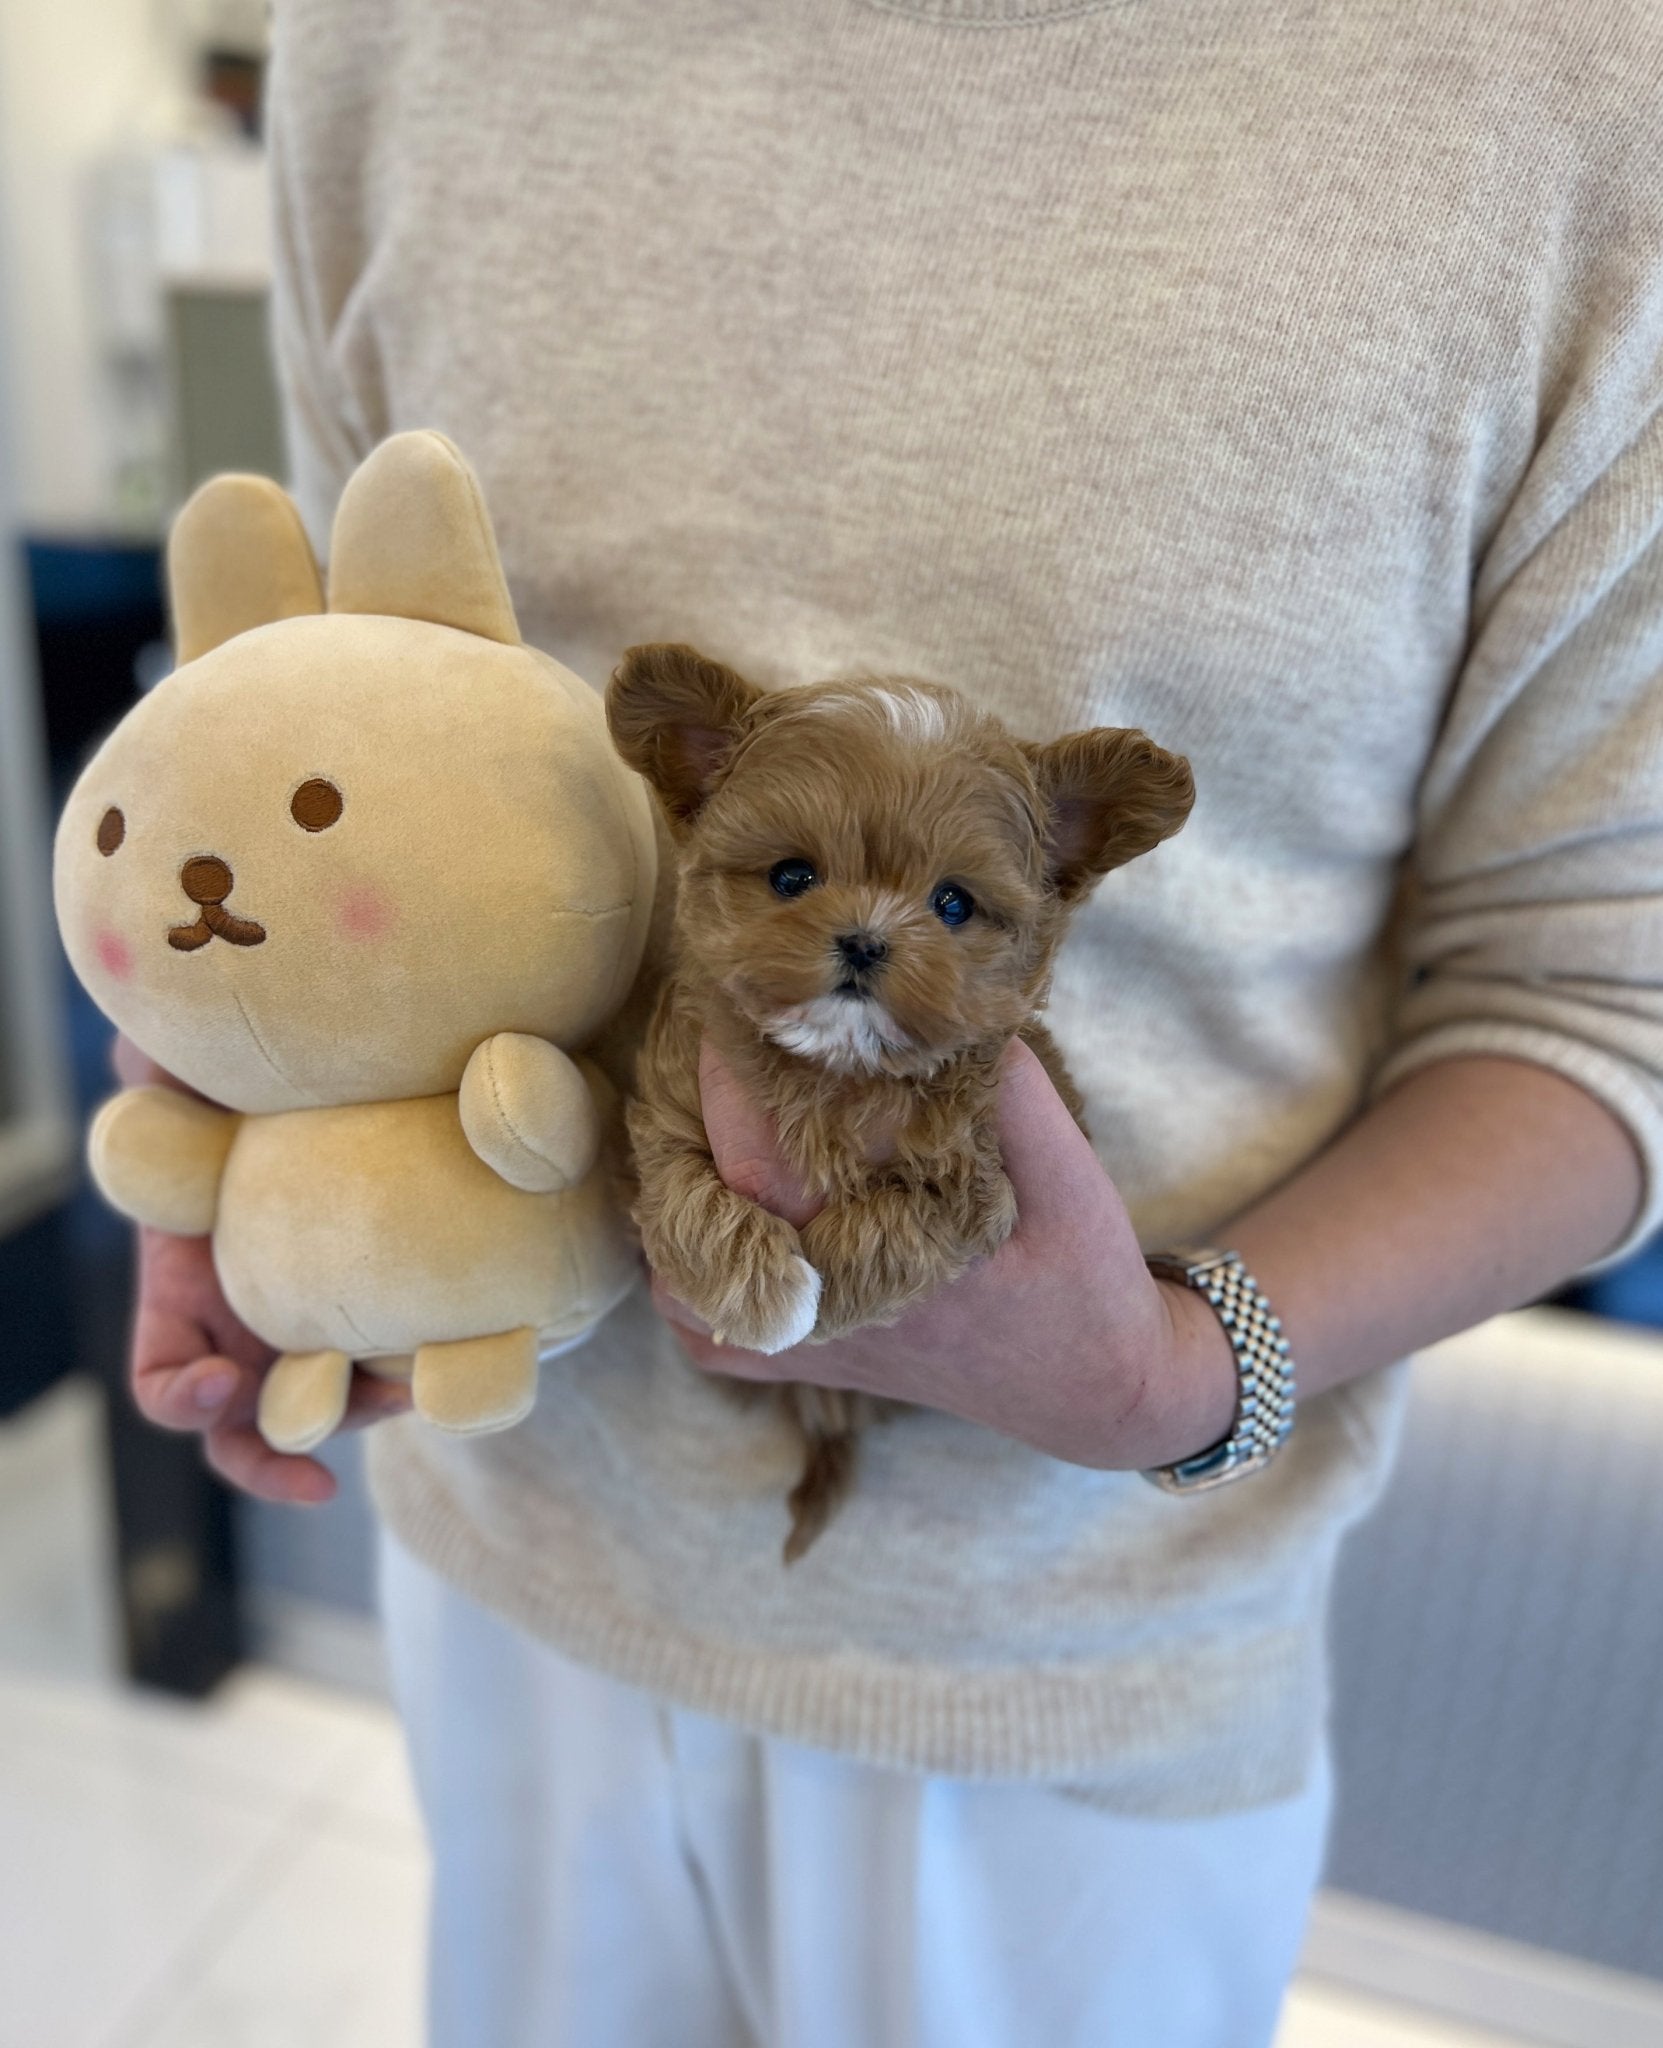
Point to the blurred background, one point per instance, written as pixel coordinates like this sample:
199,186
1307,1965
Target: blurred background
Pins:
205,1830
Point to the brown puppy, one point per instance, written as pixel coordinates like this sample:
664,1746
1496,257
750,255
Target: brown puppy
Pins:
874,880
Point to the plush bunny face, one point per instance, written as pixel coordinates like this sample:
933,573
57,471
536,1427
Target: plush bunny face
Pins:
333,852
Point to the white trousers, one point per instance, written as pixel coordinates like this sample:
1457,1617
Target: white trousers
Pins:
613,1872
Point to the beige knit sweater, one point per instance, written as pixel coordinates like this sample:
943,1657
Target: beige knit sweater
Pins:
1283,376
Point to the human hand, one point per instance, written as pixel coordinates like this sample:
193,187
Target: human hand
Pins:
1063,1339
196,1367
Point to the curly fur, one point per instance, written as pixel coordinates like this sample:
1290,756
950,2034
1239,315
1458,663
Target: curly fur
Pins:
880,1081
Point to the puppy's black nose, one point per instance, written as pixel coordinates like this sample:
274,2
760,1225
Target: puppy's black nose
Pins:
861,951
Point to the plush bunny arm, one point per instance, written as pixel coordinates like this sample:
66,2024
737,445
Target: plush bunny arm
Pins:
157,1156
533,1115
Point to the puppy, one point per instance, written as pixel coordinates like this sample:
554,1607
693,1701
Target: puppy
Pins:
874,879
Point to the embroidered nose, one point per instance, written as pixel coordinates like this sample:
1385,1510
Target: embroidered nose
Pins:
206,879
861,951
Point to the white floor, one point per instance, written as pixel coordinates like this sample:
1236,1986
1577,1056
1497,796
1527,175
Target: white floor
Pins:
249,1873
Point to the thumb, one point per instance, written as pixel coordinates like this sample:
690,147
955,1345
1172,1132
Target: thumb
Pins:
1058,1179
744,1144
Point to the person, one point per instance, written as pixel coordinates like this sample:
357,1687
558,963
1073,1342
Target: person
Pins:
1288,383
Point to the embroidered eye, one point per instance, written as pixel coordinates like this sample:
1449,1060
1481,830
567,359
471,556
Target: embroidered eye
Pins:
112,830
952,904
792,877
316,805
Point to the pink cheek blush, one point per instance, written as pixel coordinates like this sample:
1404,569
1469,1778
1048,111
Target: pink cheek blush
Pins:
364,913
115,956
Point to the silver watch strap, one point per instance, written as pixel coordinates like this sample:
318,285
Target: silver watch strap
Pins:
1265,1405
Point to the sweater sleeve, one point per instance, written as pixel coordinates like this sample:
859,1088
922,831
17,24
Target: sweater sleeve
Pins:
1535,921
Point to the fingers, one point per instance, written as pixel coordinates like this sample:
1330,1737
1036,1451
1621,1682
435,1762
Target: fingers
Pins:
243,1458
693,1334
374,1400
181,1378
743,1143
674,1310
218,1398
1047,1156
816,1365
196,1396
804,1364
197,1368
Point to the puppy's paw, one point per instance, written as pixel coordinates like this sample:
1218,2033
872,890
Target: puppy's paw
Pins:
777,1309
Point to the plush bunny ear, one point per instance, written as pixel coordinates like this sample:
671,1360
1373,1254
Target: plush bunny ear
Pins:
237,557
413,539
1110,794
676,717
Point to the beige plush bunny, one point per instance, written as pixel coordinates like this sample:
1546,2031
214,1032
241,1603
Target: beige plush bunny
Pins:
368,873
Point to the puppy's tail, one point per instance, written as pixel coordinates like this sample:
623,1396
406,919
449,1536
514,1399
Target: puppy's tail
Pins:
828,1474
831,1423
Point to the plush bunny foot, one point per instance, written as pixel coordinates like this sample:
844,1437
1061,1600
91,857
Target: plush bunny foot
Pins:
476,1384
303,1398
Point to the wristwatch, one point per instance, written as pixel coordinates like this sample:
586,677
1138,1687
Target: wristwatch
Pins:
1265,1403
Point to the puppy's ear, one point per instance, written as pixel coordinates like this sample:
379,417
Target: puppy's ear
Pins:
676,716
1110,794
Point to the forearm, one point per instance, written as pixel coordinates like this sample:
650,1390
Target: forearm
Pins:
1474,1186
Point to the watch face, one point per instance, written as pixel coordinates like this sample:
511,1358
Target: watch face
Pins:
1189,1261
1182,1258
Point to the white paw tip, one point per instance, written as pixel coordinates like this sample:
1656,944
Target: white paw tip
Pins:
798,1315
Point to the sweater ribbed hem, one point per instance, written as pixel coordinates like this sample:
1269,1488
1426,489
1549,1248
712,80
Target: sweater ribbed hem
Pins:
1251,1709
998,13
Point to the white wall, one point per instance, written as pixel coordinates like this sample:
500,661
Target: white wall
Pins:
77,79
37,1136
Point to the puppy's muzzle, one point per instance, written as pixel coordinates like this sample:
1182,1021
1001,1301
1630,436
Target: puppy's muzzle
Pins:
207,881
861,954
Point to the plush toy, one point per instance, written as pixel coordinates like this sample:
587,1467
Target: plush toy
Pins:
367,873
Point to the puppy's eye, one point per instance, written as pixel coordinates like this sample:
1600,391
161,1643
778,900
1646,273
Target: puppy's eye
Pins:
792,877
952,904
112,830
316,805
